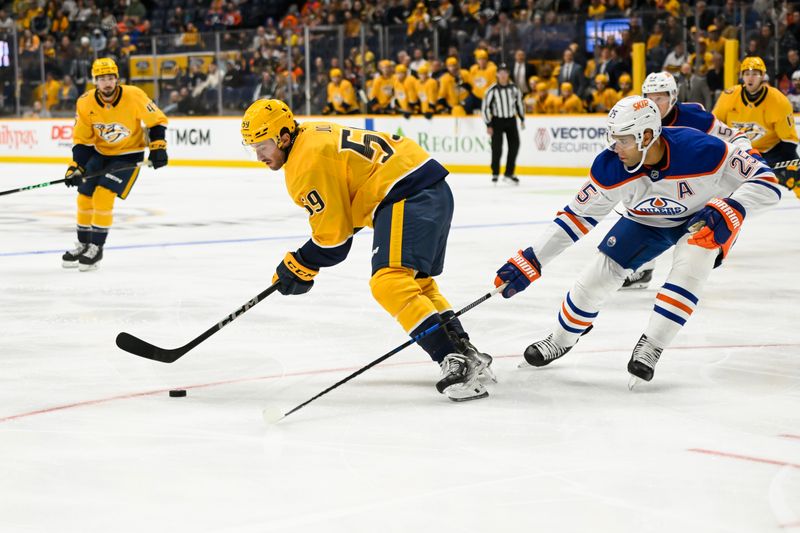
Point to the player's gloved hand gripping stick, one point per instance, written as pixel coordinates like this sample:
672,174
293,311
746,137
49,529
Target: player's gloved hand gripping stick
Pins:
72,177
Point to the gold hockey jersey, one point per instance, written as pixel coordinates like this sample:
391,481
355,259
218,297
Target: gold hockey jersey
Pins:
342,97
341,174
766,121
115,128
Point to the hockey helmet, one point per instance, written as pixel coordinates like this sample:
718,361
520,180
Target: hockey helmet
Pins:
103,66
335,72
266,119
633,115
661,82
752,63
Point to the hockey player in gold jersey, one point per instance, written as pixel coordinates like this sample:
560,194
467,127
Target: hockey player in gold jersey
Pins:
765,114
341,95
348,178
108,136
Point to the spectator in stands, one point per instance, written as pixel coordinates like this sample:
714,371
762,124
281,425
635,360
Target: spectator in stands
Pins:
790,65
570,102
697,88
81,68
417,60
701,56
715,77
98,41
715,42
521,71
231,17
65,55
702,14
67,94
675,58
172,105
60,24
40,23
136,10
266,87
108,21
6,22
37,111
207,90
794,92
571,72
188,104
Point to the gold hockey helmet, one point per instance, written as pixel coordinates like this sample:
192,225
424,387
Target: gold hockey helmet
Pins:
265,119
752,63
103,66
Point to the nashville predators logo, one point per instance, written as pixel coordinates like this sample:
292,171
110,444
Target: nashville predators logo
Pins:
112,133
753,130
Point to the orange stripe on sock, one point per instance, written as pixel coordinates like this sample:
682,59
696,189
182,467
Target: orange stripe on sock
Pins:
683,307
572,318
575,221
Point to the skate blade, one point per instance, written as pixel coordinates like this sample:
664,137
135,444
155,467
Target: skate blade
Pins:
489,374
633,382
69,264
635,286
88,268
461,393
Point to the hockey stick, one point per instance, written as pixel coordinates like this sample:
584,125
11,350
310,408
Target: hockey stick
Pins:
140,164
273,417
137,346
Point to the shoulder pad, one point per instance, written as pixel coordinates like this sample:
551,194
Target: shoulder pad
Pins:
728,91
608,172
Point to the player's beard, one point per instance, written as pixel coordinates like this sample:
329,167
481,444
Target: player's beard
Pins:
109,93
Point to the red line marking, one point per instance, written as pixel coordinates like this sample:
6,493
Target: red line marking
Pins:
331,370
787,436
786,526
744,457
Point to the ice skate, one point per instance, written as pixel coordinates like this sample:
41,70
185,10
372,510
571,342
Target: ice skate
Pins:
495,177
481,360
643,361
544,352
512,180
70,257
90,258
637,280
460,378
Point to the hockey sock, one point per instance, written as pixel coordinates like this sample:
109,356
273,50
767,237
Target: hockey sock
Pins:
431,290
85,213
678,297
437,344
602,278
399,293
103,202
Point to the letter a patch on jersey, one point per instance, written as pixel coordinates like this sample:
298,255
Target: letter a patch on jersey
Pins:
684,190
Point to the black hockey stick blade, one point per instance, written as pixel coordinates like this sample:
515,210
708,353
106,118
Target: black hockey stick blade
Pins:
136,346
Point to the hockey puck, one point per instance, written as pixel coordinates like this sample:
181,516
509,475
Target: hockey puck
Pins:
178,393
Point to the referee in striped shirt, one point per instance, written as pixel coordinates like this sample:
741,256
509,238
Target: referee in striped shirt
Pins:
501,106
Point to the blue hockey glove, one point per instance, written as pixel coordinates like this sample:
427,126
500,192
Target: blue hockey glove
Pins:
519,272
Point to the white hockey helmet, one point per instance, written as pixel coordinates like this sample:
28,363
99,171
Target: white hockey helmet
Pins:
661,82
633,115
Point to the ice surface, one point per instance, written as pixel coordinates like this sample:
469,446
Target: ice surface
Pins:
91,441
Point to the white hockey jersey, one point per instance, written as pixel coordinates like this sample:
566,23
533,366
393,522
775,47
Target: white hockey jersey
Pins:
697,168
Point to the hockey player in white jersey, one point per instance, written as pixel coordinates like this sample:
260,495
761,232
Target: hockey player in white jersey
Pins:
668,181
660,87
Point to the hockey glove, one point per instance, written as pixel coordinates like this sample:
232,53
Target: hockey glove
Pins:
158,153
723,219
74,175
789,176
293,277
518,272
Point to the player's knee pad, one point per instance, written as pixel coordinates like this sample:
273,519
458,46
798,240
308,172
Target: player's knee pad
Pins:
85,210
103,201
601,278
431,291
691,262
398,292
